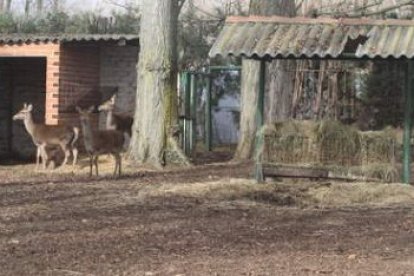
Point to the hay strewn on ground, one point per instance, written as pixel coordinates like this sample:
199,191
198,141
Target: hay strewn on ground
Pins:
303,193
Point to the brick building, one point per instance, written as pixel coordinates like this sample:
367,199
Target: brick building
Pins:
57,73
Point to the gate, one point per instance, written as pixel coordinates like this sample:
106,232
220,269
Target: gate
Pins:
195,90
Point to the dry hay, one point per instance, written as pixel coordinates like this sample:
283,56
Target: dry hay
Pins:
332,145
378,146
289,142
348,194
337,143
301,194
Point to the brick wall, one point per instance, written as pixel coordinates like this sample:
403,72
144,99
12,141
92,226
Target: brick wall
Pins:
118,69
56,78
79,80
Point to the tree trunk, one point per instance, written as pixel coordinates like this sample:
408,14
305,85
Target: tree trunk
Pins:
248,126
8,5
27,7
55,5
155,114
39,6
278,83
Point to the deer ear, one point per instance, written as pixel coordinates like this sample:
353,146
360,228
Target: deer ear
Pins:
78,109
25,105
113,98
30,107
91,109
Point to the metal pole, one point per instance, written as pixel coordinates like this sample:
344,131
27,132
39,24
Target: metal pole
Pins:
187,109
224,68
193,111
259,123
407,124
207,119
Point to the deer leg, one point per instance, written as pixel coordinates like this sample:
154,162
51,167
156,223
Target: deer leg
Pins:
116,164
37,157
96,164
119,164
43,155
75,157
67,154
90,165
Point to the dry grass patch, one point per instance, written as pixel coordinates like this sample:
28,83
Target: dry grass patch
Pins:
286,194
346,194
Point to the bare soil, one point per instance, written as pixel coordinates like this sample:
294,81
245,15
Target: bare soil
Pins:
144,224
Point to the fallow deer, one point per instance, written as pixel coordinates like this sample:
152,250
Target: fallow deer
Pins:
117,121
43,135
98,142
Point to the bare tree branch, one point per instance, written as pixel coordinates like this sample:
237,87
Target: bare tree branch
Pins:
363,10
299,5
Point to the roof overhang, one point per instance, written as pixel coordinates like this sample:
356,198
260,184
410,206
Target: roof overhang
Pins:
321,38
19,39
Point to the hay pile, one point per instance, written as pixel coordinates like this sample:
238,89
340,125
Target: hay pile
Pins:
333,145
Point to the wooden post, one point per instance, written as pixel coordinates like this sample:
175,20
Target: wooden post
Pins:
259,123
207,116
193,112
187,111
407,124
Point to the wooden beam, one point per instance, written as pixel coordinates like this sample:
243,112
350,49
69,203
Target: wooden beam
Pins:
408,112
260,122
294,172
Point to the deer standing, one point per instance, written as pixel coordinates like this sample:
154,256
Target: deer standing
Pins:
99,142
43,135
120,122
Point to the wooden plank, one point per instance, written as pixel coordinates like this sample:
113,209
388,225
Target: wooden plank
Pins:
294,172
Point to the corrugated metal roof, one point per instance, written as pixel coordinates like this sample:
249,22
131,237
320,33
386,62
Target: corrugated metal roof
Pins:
282,37
63,38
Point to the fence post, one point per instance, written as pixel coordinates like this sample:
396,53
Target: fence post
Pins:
259,123
187,109
207,116
193,112
408,123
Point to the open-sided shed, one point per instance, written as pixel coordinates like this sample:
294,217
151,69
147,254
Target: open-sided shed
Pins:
266,38
56,73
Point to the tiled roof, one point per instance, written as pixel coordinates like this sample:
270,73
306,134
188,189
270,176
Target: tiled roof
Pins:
63,38
282,37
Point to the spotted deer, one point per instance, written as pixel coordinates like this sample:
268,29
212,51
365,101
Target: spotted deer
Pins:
43,135
98,142
117,121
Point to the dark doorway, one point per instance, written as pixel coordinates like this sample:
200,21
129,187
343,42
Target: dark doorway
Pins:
22,80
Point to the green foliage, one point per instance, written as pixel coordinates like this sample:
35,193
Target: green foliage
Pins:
61,22
7,23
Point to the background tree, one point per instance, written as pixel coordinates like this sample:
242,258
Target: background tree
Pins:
155,112
279,83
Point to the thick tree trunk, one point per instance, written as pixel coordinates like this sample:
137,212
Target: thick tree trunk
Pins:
250,86
280,86
39,6
8,5
278,83
156,94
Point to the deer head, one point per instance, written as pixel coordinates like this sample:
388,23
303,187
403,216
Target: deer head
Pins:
84,114
108,105
24,112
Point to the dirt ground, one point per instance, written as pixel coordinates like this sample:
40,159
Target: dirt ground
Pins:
205,220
